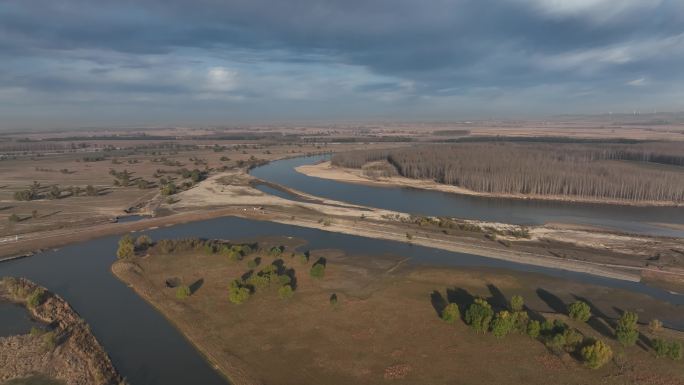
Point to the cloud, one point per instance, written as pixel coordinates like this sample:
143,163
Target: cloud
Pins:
369,55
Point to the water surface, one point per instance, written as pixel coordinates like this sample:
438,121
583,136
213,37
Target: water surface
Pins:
640,220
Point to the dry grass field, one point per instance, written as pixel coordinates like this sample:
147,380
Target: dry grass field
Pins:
384,327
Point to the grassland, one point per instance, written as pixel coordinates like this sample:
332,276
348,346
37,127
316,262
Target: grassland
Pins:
385,324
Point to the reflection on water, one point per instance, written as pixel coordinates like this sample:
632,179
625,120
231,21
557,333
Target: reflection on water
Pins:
525,212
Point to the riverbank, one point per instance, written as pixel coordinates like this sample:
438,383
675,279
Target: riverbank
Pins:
306,339
325,170
232,193
66,351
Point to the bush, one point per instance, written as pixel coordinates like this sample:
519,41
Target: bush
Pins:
238,294
517,303
596,355
183,292
333,299
451,313
675,350
304,258
143,242
284,279
49,341
169,189
579,311
252,264
533,328
655,326
317,270
520,321
285,292
14,218
573,339
661,347
479,315
626,330
502,324
36,298
126,247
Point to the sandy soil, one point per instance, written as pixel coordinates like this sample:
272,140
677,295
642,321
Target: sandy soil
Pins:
325,170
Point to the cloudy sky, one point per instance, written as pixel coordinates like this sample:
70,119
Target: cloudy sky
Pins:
156,62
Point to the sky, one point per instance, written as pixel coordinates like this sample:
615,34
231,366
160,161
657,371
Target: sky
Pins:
91,63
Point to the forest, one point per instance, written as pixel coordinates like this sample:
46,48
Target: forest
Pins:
652,171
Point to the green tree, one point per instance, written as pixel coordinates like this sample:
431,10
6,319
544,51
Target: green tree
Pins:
479,315
126,247
238,294
533,328
597,354
285,292
317,270
451,313
502,324
183,292
579,311
517,303
626,330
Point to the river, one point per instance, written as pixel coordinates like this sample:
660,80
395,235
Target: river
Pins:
640,220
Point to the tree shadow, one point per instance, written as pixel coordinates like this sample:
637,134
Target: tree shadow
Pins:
555,303
247,275
196,285
51,214
321,261
293,278
438,302
460,296
497,299
599,321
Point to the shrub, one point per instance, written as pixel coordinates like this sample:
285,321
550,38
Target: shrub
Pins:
626,330
304,258
36,298
238,294
183,292
49,341
143,242
596,355
333,299
169,189
579,311
252,264
533,328
556,342
284,279
14,218
655,326
661,347
517,303
520,321
502,324
675,350
451,313
317,270
479,315
285,292
573,339
126,247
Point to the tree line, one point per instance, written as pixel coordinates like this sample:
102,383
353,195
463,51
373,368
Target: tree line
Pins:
638,172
